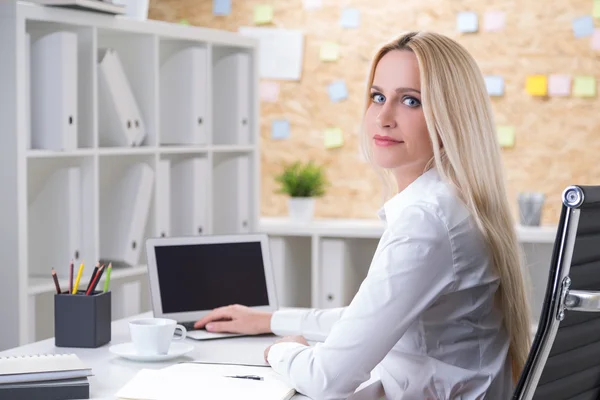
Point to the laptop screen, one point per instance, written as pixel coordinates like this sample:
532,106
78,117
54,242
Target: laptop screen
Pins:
206,276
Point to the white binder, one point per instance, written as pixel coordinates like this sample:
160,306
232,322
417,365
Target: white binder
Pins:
54,91
27,50
231,88
333,260
126,215
120,119
232,193
189,205
55,228
183,97
163,198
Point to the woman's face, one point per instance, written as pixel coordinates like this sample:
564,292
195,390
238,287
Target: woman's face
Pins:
394,120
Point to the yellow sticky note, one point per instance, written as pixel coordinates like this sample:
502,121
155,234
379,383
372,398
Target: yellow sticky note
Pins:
263,14
584,86
506,136
596,9
333,138
537,85
329,51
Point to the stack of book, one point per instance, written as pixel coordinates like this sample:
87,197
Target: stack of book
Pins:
46,376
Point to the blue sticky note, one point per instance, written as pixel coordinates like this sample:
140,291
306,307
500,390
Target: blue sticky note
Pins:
466,22
583,26
221,7
280,129
350,18
337,91
494,85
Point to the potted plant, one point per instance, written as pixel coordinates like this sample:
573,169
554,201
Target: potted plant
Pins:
302,182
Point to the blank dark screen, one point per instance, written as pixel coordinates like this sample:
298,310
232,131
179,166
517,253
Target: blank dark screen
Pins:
206,276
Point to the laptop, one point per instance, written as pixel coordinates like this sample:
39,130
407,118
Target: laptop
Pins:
190,276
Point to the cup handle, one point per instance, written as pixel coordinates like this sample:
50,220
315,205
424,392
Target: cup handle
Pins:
182,334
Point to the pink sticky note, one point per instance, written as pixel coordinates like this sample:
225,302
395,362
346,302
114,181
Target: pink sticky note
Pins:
595,41
269,91
494,21
559,85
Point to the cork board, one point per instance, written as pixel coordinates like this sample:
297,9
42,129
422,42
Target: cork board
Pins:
557,138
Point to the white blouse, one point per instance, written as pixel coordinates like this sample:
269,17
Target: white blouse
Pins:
424,317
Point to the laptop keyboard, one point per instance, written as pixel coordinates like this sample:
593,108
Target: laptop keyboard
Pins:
189,325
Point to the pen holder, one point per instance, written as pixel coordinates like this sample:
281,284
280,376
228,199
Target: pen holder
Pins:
82,321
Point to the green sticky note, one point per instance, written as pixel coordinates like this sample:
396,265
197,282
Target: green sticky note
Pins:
329,51
506,136
584,86
333,138
263,14
596,9
184,22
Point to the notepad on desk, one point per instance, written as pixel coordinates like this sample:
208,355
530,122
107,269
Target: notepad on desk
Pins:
207,381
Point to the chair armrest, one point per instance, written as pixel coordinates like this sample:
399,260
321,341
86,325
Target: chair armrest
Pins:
581,300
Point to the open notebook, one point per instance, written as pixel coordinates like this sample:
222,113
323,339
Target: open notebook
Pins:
206,381
43,367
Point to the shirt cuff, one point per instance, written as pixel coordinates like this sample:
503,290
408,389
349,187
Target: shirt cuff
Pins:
287,322
279,352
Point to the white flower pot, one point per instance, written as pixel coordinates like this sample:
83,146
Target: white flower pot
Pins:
301,209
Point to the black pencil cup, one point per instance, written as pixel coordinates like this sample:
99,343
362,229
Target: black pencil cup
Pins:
82,321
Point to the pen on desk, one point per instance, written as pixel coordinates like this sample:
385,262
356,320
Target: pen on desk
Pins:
71,277
253,377
56,281
76,286
94,272
92,285
107,279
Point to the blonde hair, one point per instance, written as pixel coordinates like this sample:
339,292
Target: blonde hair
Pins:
461,127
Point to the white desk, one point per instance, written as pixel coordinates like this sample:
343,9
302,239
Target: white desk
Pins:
112,372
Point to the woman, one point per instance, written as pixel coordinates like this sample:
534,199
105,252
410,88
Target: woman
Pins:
442,313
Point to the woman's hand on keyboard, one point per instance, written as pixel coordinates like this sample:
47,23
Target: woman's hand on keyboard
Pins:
236,319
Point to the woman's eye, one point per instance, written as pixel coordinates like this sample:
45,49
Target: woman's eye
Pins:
377,97
411,102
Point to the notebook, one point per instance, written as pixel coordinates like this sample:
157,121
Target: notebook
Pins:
42,367
206,381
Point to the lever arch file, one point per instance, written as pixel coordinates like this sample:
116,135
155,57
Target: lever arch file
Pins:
54,91
183,89
120,119
232,193
231,88
189,182
126,210
163,198
55,236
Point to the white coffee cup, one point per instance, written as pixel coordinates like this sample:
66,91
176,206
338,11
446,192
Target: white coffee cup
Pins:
152,336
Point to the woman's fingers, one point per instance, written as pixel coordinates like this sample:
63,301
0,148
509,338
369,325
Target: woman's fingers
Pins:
215,315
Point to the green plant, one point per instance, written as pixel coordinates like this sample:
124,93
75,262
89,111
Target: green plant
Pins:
302,180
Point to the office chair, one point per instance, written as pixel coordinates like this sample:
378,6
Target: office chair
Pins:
564,359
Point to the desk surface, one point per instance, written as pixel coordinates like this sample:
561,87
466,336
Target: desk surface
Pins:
112,372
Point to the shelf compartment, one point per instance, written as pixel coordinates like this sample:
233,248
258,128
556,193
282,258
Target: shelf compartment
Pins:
291,258
60,61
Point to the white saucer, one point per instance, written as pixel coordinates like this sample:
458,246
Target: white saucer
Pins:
127,350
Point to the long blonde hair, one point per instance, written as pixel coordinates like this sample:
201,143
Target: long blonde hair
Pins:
461,127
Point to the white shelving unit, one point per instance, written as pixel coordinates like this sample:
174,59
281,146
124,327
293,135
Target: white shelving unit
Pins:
321,264
226,187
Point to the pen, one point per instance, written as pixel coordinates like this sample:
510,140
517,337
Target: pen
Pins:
71,277
107,280
92,288
94,272
253,377
55,281
78,279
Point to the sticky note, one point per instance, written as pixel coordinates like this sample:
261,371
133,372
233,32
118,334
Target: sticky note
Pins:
596,9
184,22
466,21
494,85
269,91
595,41
221,7
584,86
537,85
506,136
329,51
559,85
280,129
583,26
333,138
263,14
337,91
494,21
350,18
312,4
